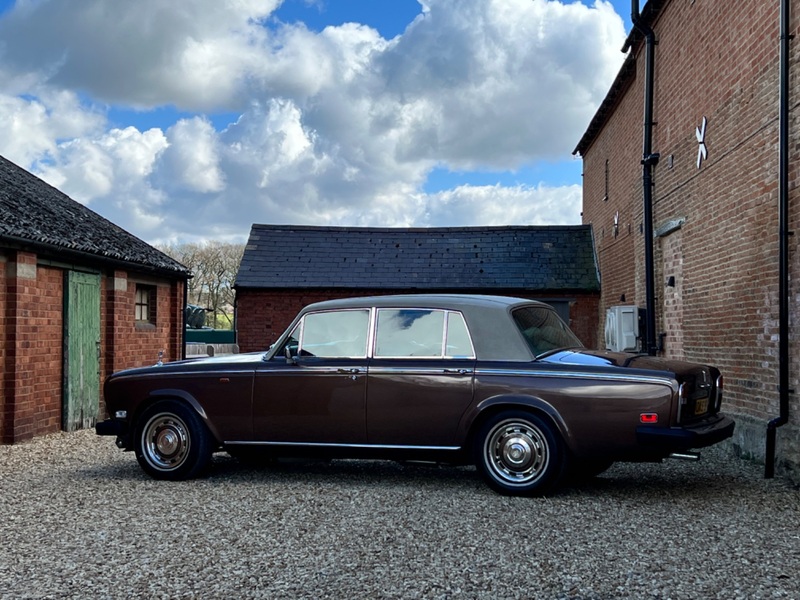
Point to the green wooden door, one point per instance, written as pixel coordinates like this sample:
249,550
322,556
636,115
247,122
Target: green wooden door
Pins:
81,350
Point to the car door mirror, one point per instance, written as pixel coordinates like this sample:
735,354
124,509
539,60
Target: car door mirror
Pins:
291,357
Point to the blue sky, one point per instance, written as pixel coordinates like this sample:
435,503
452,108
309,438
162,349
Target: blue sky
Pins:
340,112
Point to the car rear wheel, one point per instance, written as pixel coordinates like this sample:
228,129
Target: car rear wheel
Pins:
518,453
172,442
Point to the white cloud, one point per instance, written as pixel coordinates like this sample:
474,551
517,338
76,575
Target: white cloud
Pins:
339,127
30,128
498,205
191,161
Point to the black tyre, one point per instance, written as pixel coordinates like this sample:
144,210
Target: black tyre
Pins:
172,442
519,454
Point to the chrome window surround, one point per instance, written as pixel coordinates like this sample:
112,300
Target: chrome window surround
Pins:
445,328
370,315
371,336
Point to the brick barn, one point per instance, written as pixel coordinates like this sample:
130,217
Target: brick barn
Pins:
720,295
79,299
287,267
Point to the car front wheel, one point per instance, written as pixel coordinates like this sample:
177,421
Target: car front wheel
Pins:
519,454
172,442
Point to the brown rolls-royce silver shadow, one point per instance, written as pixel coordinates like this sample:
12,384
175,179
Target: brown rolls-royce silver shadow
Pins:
499,382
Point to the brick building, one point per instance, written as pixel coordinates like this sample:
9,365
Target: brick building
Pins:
79,299
716,201
285,268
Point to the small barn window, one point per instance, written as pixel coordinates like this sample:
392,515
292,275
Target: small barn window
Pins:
145,307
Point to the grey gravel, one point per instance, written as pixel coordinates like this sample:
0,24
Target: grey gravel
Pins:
79,519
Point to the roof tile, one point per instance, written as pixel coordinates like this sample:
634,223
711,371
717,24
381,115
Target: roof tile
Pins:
552,258
34,212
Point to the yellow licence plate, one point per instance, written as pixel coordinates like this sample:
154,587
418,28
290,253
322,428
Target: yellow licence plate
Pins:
701,406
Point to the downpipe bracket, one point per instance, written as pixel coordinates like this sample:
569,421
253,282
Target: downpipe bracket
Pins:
651,160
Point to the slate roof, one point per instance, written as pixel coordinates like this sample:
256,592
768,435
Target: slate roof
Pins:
37,215
551,258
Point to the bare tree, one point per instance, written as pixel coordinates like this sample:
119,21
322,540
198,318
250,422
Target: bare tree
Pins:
213,266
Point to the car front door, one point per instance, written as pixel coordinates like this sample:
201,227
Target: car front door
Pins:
420,378
319,396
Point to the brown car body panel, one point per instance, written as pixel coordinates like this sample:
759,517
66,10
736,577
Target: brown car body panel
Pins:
433,405
311,402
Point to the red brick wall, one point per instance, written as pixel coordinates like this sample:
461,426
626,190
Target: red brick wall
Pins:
262,316
43,331
136,345
672,254
128,344
32,332
718,61
31,339
612,186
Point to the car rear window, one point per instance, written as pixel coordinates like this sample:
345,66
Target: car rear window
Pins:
543,330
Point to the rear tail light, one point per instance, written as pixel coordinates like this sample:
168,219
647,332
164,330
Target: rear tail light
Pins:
718,396
648,418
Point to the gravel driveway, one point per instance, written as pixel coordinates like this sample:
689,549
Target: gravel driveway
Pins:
79,519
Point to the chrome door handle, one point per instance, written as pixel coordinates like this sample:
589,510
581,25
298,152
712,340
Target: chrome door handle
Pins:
348,371
456,371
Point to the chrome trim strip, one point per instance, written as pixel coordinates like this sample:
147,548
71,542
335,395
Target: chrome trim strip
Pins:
417,371
160,373
334,445
327,370
578,375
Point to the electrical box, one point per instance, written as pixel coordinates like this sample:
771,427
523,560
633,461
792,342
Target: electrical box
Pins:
622,329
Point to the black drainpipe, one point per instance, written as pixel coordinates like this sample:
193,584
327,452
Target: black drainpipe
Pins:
183,320
649,160
783,249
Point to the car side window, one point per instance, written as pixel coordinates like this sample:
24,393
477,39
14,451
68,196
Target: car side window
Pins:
335,334
458,343
421,333
405,333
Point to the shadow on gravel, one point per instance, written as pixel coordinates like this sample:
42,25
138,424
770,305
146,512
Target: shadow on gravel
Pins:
227,470
342,472
645,481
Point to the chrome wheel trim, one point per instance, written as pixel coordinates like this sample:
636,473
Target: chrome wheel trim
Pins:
165,442
516,452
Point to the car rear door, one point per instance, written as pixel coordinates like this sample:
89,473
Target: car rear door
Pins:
420,378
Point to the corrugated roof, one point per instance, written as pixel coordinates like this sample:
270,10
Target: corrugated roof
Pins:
542,258
35,213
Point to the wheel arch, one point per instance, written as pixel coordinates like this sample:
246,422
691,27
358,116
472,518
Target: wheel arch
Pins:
496,404
178,395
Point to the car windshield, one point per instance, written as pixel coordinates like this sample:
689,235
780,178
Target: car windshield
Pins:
543,330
